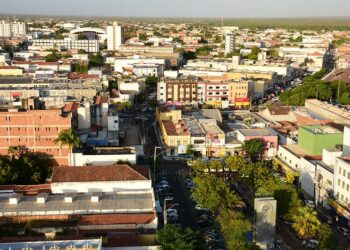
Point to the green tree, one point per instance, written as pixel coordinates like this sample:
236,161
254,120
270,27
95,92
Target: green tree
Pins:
326,238
68,137
53,57
151,81
203,51
173,237
96,60
143,37
189,55
213,193
305,222
235,163
254,148
235,228
254,54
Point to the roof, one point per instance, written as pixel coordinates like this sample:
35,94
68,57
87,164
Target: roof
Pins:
109,203
71,106
342,75
76,76
175,127
279,110
258,132
113,219
14,80
27,189
101,99
97,173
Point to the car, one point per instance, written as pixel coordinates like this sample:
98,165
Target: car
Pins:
343,231
164,182
309,203
310,243
171,211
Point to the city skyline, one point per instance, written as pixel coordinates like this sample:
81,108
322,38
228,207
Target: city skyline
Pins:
182,8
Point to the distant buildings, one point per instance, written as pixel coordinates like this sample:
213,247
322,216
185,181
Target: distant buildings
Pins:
12,29
229,42
114,36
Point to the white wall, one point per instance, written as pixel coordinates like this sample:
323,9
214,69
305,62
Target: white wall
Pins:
307,176
98,186
78,159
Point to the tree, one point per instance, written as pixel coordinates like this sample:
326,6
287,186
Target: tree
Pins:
189,55
143,37
173,237
151,81
213,193
254,54
235,228
53,57
235,163
305,222
204,51
96,60
67,137
189,149
254,148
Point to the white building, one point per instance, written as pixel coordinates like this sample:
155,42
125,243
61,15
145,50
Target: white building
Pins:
114,36
229,42
66,44
148,70
12,29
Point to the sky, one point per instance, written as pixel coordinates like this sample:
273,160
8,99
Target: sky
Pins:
179,8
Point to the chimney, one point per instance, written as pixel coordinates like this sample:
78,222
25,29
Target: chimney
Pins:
41,198
68,198
14,199
95,197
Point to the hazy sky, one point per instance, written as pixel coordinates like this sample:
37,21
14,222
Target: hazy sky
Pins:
179,8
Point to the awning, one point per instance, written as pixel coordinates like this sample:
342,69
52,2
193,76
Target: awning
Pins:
339,208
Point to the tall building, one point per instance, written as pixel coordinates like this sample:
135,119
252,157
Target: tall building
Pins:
114,36
36,130
12,29
229,42
91,46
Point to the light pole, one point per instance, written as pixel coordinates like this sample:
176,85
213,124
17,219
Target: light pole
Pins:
154,161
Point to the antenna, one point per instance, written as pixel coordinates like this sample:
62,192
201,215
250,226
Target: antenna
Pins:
222,22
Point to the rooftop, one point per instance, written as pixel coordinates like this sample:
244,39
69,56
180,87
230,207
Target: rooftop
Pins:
258,132
95,244
97,173
210,126
321,129
176,127
194,127
116,203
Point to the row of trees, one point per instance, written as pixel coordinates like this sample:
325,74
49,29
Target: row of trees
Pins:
258,180
314,87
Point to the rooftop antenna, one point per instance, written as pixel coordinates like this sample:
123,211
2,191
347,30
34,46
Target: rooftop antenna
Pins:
222,22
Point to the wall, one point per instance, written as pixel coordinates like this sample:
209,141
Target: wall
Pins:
315,143
96,186
78,159
342,181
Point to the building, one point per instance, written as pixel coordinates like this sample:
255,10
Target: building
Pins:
240,89
10,71
315,138
156,70
175,134
91,46
114,36
329,111
12,29
87,244
229,42
169,49
97,198
36,130
267,135
182,90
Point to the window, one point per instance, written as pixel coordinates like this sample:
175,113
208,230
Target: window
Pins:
339,170
344,172
343,184
349,175
347,187
338,182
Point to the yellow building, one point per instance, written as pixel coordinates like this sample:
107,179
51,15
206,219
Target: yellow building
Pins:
167,114
175,133
234,75
10,71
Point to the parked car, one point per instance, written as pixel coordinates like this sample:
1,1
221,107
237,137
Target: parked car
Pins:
310,243
309,203
344,231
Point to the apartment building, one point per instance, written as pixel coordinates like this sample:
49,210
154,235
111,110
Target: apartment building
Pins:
229,42
214,93
12,29
182,90
91,46
36,130
175,135
147,49
115,36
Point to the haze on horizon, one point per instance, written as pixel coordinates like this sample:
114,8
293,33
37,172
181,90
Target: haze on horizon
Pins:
178,8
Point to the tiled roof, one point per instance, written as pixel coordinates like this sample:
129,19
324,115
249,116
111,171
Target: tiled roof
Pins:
176,128
279,110
96,173
71,106
28,189
101,99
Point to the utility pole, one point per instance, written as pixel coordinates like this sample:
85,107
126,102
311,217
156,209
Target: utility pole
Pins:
154,162
317,92
338,88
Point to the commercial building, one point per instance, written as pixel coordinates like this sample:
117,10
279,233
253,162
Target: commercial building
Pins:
12,29
114,36
91,46
36,130
10,71
229,42
147,49
175,133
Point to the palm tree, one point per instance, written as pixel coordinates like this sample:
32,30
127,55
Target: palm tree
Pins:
306,223
67,137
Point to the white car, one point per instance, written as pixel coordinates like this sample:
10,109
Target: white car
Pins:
310,244
309,203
